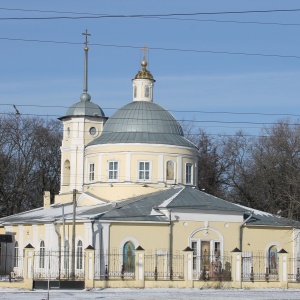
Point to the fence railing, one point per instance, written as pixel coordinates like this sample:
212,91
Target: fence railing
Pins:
257,266
294,269
11,268
212,267
164,267
114,266
56,265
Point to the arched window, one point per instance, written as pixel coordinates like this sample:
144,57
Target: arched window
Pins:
128,257
147,91
66,176
170,170
16,255
79,255
42,255
273,260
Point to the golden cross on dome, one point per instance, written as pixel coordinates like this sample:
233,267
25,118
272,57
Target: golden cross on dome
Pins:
86,39
145,49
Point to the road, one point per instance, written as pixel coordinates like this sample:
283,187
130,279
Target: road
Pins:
151,294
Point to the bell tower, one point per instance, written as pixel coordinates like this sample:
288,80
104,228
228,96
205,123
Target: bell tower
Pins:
82,123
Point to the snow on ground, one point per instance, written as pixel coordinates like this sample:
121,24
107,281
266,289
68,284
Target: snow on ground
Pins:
151,294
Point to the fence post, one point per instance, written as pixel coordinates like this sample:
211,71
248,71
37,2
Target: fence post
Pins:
188,267
282,270
28,266
140,267
89,264
236,267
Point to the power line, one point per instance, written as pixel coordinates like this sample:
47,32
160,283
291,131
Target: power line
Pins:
169,110
173,121
157,48
156,17
228,21
93,15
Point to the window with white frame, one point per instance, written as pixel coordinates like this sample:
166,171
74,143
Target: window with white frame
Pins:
206,254
113,168
91,172
144,170
42,255
79,255
188,173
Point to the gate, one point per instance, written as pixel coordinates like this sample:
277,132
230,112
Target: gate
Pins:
162,266
54,267
257,266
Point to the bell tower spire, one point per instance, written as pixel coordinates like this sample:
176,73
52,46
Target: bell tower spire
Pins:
86,50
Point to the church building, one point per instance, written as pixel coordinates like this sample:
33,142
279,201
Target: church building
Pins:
129,212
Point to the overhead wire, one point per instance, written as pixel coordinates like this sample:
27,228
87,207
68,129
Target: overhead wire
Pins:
193,121
94,15
157,48
156,17
169,110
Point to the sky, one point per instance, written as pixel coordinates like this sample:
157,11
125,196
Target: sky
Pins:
216,64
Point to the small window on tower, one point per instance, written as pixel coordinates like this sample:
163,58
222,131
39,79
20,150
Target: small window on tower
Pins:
68,132
93,130
147,91
134,92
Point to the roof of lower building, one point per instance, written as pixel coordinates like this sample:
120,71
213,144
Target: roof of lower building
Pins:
149,208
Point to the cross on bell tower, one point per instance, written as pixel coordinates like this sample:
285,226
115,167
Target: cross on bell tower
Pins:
144,62
86,49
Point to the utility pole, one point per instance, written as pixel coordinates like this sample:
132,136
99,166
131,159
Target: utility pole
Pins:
73,237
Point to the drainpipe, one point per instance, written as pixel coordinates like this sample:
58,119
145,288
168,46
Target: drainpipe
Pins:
59,248
170,244
93,233
73,236
241,230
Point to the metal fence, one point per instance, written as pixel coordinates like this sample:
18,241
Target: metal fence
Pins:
56,265
161,266
114,266
294,269
212,267
257,266
11,268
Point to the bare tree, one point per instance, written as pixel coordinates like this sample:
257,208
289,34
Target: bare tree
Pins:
29,160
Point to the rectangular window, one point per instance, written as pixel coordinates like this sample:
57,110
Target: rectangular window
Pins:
144,170
113,170
188,173
92,172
